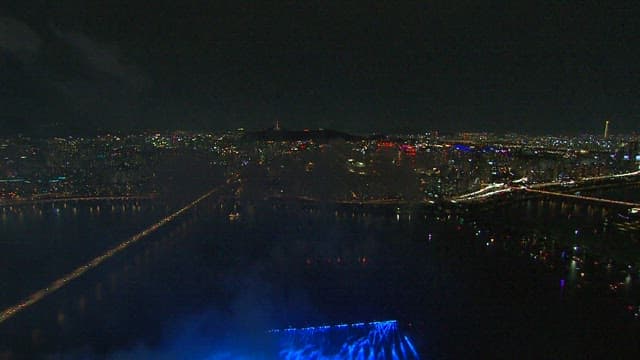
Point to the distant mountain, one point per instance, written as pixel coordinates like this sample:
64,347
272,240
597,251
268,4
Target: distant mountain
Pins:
320,135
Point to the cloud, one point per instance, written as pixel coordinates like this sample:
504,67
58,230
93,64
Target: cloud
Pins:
58,81
19,39
91,82
103,58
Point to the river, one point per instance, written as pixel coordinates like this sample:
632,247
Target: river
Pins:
490,282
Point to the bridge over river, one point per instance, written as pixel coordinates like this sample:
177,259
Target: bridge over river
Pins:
496,189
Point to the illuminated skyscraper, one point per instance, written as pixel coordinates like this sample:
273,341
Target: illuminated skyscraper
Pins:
606,129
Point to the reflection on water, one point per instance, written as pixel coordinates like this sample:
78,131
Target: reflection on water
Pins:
453,280
580,239
38,295
42,241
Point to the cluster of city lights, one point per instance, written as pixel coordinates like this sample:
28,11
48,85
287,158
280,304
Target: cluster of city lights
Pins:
79,199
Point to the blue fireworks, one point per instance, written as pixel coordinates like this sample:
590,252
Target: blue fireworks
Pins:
372,340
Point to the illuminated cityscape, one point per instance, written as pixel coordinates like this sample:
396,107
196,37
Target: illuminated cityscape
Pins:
412,168
458,178
319,180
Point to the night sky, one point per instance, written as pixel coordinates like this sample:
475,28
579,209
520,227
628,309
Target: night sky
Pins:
70,67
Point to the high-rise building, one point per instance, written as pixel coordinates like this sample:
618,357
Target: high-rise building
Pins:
606,129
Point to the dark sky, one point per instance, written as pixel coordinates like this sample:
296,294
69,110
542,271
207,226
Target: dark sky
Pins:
548,67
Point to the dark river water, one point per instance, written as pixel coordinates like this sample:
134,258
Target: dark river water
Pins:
533,279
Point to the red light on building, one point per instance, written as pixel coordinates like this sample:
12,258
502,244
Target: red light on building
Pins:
386,144
409,149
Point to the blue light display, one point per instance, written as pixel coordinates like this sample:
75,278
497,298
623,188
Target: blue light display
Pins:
372,340
462,147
